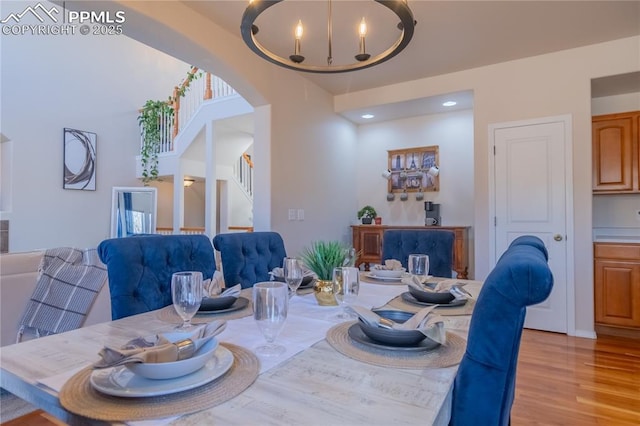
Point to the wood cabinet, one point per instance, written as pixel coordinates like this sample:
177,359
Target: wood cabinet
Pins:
616,153
617,286
368,240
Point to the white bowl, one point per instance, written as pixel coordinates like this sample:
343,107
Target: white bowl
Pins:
378,271
171,370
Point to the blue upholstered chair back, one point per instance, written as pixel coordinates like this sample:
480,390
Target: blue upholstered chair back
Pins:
247,258
438,244
140,268
485,383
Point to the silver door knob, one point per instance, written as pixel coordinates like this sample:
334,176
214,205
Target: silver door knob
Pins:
557,237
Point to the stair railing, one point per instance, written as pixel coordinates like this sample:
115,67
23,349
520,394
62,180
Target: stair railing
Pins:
243,173
198,87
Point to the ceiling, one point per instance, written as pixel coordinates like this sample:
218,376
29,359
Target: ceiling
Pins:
450,36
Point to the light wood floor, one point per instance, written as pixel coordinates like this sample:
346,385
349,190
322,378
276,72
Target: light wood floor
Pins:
564,380
561,381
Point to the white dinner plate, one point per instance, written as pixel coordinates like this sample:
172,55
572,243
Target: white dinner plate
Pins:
372,275
120,381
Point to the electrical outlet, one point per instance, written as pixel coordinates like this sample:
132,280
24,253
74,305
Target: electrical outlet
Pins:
292,214
637,214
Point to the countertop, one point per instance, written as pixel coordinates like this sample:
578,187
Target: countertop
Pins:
616,235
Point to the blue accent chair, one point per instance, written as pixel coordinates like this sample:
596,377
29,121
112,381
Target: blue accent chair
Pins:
140,268
438,244
485,383
248,257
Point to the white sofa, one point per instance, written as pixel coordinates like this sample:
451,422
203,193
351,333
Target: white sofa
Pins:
18,276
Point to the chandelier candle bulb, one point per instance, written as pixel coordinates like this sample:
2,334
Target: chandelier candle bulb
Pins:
298,37
363,33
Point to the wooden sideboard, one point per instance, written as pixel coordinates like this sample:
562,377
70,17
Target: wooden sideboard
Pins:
367,239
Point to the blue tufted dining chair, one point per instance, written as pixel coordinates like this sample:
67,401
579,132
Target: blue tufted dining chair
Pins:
438,244
248,257
140,268
484,387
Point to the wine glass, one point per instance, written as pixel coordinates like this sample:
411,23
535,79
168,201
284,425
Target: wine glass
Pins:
419,266
270,306
292,274
186,292
346,284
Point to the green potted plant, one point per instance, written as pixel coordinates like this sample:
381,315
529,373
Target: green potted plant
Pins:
367,214
321,257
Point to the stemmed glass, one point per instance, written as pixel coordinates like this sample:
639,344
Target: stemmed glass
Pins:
292,274
346,284
419,266
186,293
270,306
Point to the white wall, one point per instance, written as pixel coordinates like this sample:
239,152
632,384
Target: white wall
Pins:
453,133
93,83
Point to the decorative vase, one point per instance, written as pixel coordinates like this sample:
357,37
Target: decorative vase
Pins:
323,290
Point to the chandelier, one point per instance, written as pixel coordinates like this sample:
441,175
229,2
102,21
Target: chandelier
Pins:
295,61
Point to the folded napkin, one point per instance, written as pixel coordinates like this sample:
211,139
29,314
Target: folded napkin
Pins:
389,265
159,348
279,273
446,286
430,324
213,287
232,291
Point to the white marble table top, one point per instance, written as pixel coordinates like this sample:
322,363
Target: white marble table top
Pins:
311,384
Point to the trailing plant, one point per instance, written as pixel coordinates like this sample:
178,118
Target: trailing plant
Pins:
321,257
150,121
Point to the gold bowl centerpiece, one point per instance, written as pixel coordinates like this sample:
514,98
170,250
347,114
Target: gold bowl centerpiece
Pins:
321,257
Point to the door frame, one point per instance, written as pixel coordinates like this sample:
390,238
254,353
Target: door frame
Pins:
566,120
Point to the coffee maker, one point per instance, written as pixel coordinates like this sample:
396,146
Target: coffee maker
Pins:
432,214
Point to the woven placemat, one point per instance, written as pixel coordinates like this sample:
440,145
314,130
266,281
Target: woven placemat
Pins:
79,397
466,309
440,357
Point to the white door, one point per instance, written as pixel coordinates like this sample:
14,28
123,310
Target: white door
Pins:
531,198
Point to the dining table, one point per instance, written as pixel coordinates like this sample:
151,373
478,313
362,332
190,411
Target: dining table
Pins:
323,378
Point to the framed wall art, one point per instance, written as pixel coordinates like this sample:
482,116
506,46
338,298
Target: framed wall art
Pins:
414,169
79,160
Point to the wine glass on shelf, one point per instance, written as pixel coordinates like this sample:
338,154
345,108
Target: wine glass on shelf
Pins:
270,306
186,293
346,285
419,266
292,274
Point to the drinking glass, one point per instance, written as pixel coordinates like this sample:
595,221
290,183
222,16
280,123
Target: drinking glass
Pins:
270,306
292,274
419,266
186,293
346,284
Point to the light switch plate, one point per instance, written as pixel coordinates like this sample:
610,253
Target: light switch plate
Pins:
300,214
292,214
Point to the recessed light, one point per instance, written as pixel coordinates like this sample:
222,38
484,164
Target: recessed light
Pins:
367,116
449,103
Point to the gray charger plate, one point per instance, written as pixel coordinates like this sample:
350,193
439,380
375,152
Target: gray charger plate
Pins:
217,303
357,335
241,303
407,297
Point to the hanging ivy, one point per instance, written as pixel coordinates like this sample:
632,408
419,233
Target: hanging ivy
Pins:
151,127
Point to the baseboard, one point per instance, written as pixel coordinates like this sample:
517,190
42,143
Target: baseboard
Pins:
632,333
587,334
